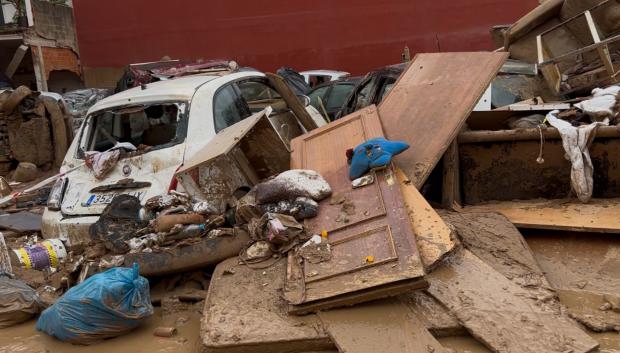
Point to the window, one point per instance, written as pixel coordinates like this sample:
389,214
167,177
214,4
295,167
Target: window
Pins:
155,125
363,97
388,83
253,91
315,95
338,95
228,108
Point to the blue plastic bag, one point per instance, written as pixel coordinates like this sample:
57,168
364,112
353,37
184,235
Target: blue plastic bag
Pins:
374,153
105,305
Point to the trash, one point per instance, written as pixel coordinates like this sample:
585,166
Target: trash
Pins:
102,162
79,101
315,250
294,80
292,184
42,255
300,208
21,222
119,222
25,172
260,250
374,153
105,305
111,261
164,223
575,141
188,231
363,181
602,104
5,188
530,121
204,208
18,302
165,331
281,229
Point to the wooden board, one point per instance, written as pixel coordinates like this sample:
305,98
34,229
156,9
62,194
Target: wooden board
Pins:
497,312
244,313
435,317
381,326
292,101
598,215
378,227
430,102
433,236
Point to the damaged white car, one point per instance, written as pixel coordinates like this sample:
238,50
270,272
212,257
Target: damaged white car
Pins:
156,127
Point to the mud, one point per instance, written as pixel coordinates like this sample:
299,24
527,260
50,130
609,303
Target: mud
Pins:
25,338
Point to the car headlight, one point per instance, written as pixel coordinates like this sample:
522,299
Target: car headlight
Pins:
56,194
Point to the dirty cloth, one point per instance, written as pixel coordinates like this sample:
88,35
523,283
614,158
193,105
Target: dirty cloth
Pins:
374,153
602,104
106,305
300,208
292,184
576,141
102,162
294,80
18,302
280,230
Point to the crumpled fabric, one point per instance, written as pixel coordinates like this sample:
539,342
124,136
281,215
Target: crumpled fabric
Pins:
292,184
18,302
101,163
576,141
602,104
374,153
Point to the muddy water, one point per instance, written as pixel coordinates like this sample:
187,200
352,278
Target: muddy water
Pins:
25,338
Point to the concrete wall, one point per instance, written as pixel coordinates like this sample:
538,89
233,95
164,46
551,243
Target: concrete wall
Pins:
52,21
351,35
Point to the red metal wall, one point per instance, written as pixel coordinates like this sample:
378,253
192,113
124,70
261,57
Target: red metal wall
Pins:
351,35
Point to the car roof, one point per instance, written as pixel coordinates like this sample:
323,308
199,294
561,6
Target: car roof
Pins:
178,89
350,80
324,72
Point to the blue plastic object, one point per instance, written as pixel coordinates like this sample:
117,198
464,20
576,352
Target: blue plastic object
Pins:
105,305
374,153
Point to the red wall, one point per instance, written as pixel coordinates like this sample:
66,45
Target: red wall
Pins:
351,35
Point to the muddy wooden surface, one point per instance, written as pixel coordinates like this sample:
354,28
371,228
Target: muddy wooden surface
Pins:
494,310
434,97
381,326
374,251
505,171
245,313
435,239
435,317
598,215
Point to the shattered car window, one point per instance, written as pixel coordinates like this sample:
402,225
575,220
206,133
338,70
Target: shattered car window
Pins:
155,125
228,108
338,95
256,91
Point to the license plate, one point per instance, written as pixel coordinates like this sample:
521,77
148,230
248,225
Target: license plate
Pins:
105,199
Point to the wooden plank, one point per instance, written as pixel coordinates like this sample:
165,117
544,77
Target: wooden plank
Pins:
497,313
496,241
17,59
598,215
430,102
434,238
382,326
435,317
243,312
450,191
377,227
292,101
603,51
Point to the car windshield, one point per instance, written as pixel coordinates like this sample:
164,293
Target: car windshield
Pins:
156,126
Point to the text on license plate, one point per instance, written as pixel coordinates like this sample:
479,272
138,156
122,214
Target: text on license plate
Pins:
104,199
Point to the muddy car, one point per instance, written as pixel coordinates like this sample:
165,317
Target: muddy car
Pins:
166,122
372,88
329,97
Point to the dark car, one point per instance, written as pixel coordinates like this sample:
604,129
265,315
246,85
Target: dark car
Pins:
371,90
329,97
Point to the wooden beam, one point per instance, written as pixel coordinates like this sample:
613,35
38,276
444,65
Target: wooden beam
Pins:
603,51
450,192
17,59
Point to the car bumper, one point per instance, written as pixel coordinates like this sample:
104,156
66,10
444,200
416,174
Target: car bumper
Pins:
72,231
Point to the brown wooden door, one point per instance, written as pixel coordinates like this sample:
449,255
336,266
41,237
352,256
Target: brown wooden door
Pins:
374,252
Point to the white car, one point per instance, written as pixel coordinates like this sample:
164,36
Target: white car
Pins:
175,119
317,77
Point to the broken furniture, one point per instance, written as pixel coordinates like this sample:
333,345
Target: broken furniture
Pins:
578,70
236,159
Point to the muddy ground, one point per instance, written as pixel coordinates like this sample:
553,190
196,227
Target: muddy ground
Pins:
582,266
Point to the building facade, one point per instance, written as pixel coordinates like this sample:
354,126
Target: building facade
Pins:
349,35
